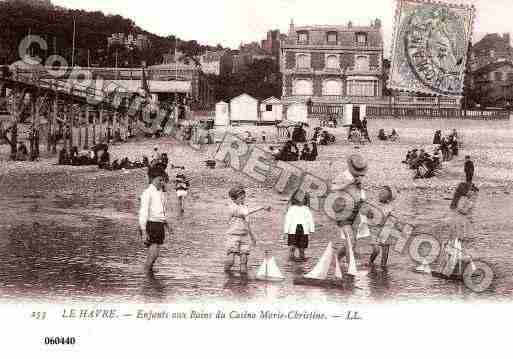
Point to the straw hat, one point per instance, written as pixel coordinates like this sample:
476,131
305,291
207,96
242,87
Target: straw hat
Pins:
357,165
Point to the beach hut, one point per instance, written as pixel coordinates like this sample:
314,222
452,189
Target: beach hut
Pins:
297,112
244,109
271,110
222,114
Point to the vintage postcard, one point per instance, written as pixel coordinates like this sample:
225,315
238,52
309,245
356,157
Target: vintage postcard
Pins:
255,178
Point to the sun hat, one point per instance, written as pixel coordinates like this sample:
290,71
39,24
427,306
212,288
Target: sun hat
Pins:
236,192
357,165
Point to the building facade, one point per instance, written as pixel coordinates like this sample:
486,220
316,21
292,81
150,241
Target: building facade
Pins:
216,62
139,41
335,65
493,84
490,49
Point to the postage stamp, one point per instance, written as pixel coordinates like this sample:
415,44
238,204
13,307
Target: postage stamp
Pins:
430,45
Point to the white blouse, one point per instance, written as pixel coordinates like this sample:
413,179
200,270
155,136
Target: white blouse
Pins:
298,215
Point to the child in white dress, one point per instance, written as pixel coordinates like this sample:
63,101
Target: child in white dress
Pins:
299,223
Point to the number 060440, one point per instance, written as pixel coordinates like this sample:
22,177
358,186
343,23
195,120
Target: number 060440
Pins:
60,341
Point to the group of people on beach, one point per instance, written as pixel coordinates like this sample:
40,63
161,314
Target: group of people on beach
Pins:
299,221
428,165
290,152
393,136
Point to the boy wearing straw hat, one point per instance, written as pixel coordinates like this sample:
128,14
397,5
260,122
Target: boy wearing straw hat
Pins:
350,181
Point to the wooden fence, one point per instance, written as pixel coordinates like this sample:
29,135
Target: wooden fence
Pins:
431,112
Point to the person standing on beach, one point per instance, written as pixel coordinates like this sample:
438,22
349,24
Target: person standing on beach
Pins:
299,224
350,182
152,216
469,169
239,233
182,188
386,196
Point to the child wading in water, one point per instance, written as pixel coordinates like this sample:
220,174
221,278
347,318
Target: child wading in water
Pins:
459,220
386,197
298,225
182,187
239,233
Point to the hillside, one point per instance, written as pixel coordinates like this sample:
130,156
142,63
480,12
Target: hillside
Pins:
21,17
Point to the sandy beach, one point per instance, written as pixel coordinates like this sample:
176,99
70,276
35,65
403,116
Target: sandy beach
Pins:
89,217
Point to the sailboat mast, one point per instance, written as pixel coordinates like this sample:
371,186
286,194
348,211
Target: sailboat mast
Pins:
73,48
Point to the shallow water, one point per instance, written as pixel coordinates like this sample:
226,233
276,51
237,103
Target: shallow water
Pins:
70,246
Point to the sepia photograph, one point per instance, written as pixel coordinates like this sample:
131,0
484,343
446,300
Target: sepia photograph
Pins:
280,160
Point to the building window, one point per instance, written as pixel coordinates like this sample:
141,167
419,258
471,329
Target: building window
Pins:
332,62
302,37
361,88
332,38
332,88
303,88
268,108
510,76
498,76
361,38
303,61
362,63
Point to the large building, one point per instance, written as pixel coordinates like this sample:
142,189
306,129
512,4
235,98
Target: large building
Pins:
139,41
490,49
337,65
491,66
272,43
216,62
493,84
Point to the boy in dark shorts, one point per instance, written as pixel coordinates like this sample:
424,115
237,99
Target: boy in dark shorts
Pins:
152,216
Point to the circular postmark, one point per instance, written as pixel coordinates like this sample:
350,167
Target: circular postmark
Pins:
435,48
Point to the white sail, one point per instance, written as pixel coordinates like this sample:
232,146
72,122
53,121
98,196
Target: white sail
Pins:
338,271
352,261
269,270
321,269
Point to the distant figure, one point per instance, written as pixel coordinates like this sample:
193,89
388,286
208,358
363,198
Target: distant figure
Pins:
104,162
382,135
469,169
299,134
63,157
394,136
313,152
305,153
365,132
182,187
263,137
437,139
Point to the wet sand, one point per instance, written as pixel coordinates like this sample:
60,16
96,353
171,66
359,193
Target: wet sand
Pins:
70,233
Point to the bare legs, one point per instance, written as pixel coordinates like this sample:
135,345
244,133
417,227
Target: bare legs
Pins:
231,261
153,253
376,249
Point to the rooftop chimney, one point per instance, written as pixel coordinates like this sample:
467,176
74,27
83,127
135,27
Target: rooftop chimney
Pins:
506,38
291,27
377,23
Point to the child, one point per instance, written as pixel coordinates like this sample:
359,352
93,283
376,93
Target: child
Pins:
239,233
298,225
386,196
182,187
459,222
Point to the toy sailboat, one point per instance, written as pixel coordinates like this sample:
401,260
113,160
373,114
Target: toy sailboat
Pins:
319,275
455,263
269,270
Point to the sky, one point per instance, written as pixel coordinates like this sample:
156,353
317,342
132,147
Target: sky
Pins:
230,22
